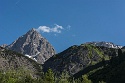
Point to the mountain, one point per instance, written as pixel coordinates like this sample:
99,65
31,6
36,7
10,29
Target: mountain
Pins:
10,60
105,44
34,46
114,72
77,58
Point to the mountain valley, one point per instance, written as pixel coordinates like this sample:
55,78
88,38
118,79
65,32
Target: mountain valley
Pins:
91,62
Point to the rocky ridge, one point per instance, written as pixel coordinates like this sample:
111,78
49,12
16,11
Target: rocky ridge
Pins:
105,44
77,58
10,60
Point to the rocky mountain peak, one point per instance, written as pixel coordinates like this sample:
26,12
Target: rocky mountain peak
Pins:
33,45
33,29
34,33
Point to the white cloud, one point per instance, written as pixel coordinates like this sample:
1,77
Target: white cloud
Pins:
68,27
55,29
43,29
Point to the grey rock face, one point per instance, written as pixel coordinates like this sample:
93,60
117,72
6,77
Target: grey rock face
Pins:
33,45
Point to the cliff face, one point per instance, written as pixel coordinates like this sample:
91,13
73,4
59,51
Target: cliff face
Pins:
33,45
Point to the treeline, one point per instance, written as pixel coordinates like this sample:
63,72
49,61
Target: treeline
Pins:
23,76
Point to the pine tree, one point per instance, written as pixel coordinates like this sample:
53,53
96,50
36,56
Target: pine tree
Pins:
49,76
85,79
64,78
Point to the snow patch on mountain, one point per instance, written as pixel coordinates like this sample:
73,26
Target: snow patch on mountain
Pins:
105,44
33,56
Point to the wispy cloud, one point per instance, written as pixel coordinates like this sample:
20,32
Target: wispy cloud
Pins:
46,29
68,27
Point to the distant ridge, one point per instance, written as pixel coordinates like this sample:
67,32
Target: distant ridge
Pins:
105,44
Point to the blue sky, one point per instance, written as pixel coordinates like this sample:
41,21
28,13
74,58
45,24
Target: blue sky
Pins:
80,21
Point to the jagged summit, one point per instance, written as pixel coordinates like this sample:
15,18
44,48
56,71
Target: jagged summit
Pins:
105,44
33,45
33,30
